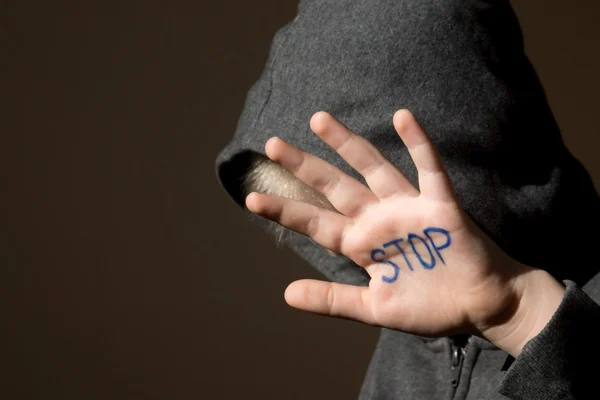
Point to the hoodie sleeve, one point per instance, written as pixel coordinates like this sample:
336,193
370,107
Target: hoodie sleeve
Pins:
559,362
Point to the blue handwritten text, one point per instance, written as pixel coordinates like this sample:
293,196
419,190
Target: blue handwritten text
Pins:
427,261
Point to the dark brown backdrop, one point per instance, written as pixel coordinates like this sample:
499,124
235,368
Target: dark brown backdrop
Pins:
126,271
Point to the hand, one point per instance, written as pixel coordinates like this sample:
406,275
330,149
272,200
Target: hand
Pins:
433,271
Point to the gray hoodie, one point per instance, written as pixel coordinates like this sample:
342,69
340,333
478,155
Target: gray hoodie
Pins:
460,67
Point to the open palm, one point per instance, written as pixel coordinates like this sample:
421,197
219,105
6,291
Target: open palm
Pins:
433,272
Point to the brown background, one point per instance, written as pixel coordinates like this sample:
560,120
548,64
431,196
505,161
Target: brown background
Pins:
126,271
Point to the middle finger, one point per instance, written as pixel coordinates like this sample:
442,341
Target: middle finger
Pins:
383,177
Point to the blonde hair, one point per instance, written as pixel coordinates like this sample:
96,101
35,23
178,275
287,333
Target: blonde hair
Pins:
266,176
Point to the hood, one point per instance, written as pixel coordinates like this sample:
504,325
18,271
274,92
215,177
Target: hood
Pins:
460,67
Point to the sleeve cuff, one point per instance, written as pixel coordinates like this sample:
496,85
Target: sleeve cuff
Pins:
554,364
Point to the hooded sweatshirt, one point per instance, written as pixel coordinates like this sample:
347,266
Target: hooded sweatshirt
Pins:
461,69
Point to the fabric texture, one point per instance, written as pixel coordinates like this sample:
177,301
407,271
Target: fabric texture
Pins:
460,67
558,362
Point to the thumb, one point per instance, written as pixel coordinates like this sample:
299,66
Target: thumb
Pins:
331,299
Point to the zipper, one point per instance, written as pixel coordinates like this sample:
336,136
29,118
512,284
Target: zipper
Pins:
458,349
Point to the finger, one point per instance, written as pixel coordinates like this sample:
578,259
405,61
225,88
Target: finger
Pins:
345,193
325,227
383,177
332,299
433,179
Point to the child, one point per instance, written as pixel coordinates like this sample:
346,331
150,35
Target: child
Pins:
460,68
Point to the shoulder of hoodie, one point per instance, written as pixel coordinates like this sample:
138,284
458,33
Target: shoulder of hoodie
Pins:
592,288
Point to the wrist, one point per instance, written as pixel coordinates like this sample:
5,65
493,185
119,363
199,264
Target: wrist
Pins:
539,296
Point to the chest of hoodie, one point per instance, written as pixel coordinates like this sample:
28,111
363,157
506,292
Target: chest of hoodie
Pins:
404,366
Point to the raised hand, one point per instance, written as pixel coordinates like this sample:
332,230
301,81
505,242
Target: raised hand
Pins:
433,272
